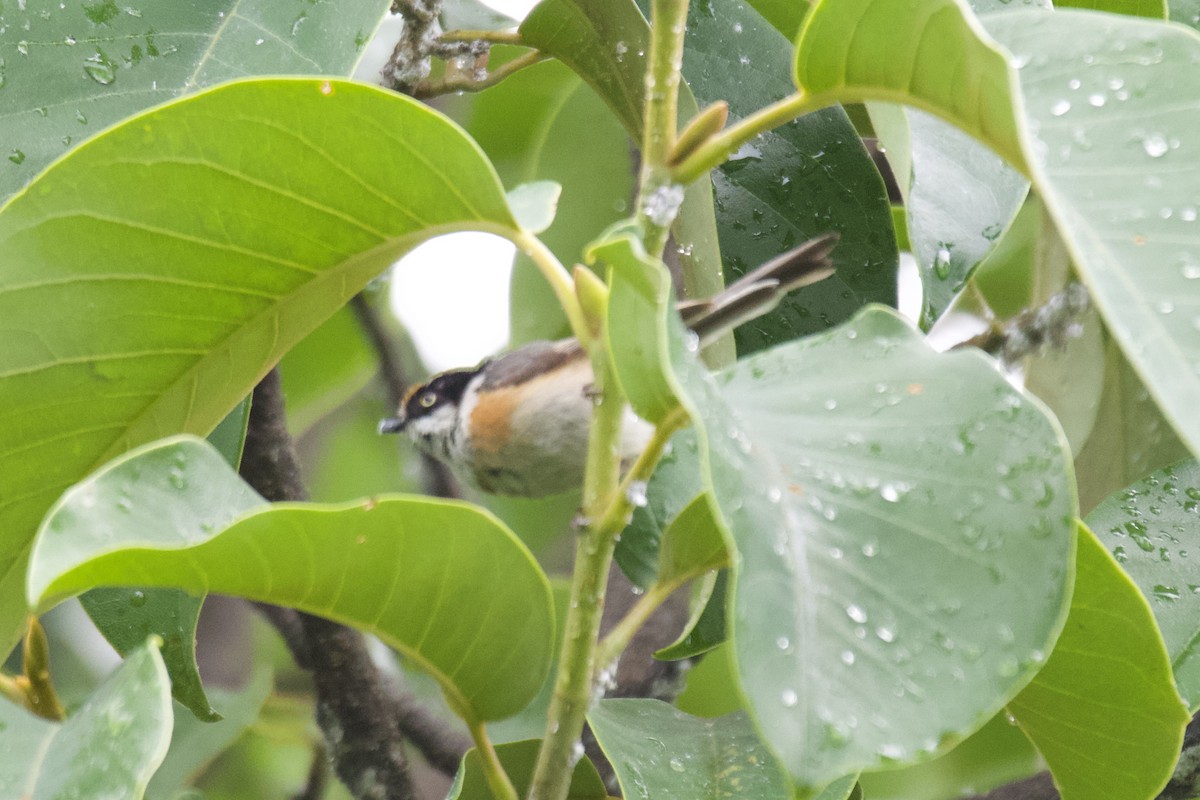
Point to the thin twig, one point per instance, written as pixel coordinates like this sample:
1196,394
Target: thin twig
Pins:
470,83
491,37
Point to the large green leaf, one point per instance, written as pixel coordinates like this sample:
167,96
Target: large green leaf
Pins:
1112,161
1103,711
789,184
897,50
69,70
209,255
920,511
962,199
444,582
195,744
1153,530
129,616
108,748
896,514
659,751
1095,109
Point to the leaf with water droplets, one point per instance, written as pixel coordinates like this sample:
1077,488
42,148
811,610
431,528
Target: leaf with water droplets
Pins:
789,184
410,570
109,747
658,751
917,554
65,58
169,318
1095,109
1152,528
1103,710
127,617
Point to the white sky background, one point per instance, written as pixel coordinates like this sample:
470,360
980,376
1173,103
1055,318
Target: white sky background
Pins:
451,293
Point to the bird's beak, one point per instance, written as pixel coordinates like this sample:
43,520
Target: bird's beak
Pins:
391,425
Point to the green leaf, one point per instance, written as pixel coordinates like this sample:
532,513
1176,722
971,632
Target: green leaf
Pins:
519,760
411,571
1151,527
1120,135
962,199
170,315
1103,710
603,43
1129,439
325,369
659,751
1155,9
72,70
635,327
128,617
705,628
692,544
194,744
921,531
108,748
849,50
789,184
784,15
1097,114
997,753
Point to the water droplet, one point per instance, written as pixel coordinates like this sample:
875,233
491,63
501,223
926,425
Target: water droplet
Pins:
830,404
1164,592
783,643
1060,108
676,764
636,494
941,262
848,657
789,698
885,634
100,68
137,599
1097,100
1165,307
856,613
1155,145
870,549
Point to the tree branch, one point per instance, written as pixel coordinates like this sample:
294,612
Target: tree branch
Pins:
358,712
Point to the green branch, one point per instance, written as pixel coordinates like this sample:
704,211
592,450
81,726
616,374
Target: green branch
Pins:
493,771
659,195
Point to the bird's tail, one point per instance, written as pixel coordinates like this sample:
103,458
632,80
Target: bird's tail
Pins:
761,289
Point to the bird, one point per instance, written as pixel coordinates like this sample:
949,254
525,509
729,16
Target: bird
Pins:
517,423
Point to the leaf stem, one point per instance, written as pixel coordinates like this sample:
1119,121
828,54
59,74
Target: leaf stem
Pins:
618,513
613,644
574,686
461,83
658,197
493,771
491,37
718,148
560,281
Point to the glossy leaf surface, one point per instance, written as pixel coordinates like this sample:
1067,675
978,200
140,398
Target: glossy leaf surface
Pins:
169,317
127,617
1103,710
109,747
1152,529
659,751
444,582
70,70
787,185
908,496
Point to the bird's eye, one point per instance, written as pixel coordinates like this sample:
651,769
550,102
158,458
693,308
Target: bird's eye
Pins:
427,400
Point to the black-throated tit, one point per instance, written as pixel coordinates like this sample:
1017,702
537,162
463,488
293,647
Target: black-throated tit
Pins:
517,424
